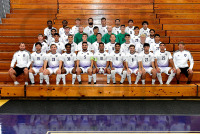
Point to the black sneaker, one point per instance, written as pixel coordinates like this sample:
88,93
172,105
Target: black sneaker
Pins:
178,82
188,82
108,83
80,82
114,83
95,83
120,83
89,82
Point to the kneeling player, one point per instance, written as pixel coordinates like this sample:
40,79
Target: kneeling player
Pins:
148,64
69,59
132,60
162,59
53,59
37,59
84,63
101,63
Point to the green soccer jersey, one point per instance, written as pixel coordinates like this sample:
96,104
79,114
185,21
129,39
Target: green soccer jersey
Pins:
78,38
121,38
92,39
106,38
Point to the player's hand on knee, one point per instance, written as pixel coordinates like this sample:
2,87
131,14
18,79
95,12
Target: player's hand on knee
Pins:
129,71
178,70
41,70
158,70
59,71
25,69
174,70
190,71
11,69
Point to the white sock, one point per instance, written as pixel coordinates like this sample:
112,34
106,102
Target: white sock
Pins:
79,78
41,77
129,78
123,77
159,78
26,83
63,78
138,77
16,82
73,78
46,78
143,82
153,81
94,76
113,76
170,78
89,78
58,78
108,78
31,77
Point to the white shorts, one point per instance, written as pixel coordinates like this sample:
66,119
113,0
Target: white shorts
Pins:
36,70
165,70
148,70
119,71
68,70
53,70
133,70
84,69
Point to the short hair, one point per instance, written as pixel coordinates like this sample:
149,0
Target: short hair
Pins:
145,22
157,35
40,34
103,18
143,35
38,43
56,34
53,29
96,27
152,30
53,44
66,27
130,20
99,34
91,19
78,19
132,46
117,44
181,42
21,43
84,34
65,21
84,43
127,35
68,44
70,35
122,25
146,45
112,34
117,19
101,43
136,27
49,21
162,43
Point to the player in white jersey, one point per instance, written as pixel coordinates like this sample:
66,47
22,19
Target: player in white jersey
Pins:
117,59
139,47
96,43
51,38
103,28
130,28
148,65
181,58
79,46
116,30
135,38
101,63
154,47
45,47
37,60
62,29
64,37
125,46
47,31
111,45
89,29
69,60
23,59
162,59
145,29
73,44
132,64
54,62
59,44
151,39
75,29
84,63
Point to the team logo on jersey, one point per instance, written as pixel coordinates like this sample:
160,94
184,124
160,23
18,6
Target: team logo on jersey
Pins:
87,53
185,55
149,55
23,55
104,55
56,55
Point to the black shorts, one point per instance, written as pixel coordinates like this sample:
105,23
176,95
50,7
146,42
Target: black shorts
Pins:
19,70
184,71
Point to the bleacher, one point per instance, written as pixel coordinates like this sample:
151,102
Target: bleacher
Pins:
174,20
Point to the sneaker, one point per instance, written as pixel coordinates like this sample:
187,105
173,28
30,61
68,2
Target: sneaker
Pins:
26,83
80,82
16,83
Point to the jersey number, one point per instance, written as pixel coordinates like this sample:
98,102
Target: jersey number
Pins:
146,59
53,59
38,58
101,58
84,56
68,58
116,58
163,57
132,59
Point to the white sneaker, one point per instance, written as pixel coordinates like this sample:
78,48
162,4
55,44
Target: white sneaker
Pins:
16,83
26,83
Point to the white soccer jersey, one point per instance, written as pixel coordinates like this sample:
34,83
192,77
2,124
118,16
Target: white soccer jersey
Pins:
146,32
60,47
64,38
47,31
155,47
163,58
103,30
53,59
150,40
85,58
101,59
37,59
61,31
135,39
130,30
111,47
50,39
147,59
23,59
44,49
125,47
139,47
89,30
181,58
132,60
79,47
117,59
75,30
69,59
96,47
116,30
73,47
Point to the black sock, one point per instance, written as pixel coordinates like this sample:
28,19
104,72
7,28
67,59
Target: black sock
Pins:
188,82
178,82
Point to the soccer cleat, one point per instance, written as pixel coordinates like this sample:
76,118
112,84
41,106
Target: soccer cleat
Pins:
95,83
108,83
89,82
114,83
80,82
120,83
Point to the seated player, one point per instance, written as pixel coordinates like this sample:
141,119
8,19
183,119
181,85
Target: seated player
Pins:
64,36
75,29
78,36
37,62
101,63
151,39
89,29
62,29
181,58
51,37
162,59
47,31
130,28
84,63
103,28
139,47
145,29
23,59
54,62
132,64
135,38
93,37
95,45
116,30
117,63
156,45
59,44
121,36
125,45
148,65
84,39
45,47
69,59
111,45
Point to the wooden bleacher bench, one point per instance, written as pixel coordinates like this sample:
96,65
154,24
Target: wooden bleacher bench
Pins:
180,21
177,6
182,33
20,32
181,27
191,39
178,15
174,1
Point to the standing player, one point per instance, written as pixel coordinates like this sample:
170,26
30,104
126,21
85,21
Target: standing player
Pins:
73,44
130,28
75,29
44,44
116,30
101,63
121,36
106,37
89,29
135,38
181,58
139,47
47,31
93,37
125,46
145,29
148,65
51,38
84,63
117,63
151,39
23,59
156,45
96,43
103,28
69,59
59,44
37,59
62,29
162,59
78,36
64,36
111,45
53,60
79,46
